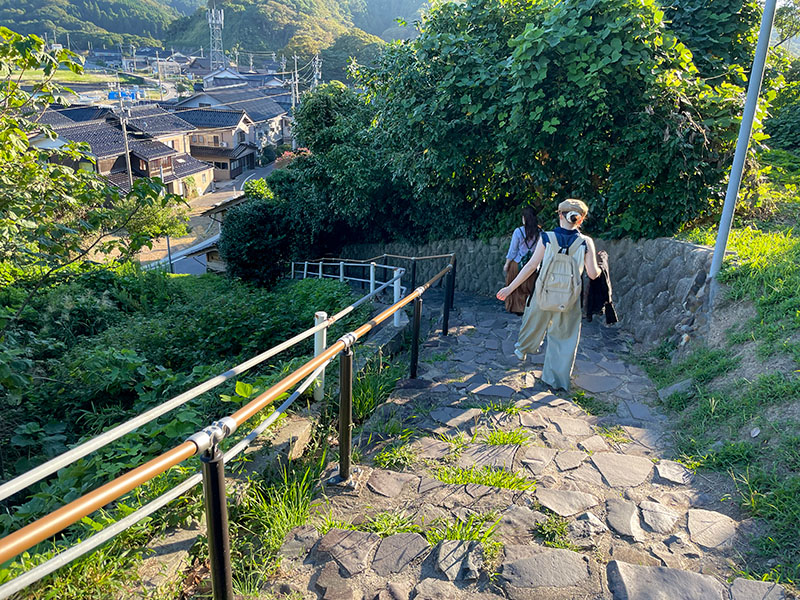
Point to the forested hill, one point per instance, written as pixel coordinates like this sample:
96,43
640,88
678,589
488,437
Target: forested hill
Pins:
103,22
302,26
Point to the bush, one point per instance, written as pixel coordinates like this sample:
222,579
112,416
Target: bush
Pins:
257,241
268,154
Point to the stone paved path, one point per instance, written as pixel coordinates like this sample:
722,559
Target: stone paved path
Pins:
635,525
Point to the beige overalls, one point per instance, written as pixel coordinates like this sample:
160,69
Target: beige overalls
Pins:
563,329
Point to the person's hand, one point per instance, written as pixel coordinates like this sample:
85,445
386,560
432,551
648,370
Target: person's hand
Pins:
505,269
503,293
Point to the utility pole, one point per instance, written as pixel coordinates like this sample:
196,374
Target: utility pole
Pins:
160,87
236,59
745,130
68,45
251,62
123,120
295,101
201,52
55,41
133,51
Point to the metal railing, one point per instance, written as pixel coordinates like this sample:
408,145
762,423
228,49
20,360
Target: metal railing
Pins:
206,443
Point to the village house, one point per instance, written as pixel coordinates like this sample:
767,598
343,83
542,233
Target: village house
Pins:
269,118
225,138
181,173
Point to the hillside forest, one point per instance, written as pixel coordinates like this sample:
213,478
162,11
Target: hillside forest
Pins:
344,27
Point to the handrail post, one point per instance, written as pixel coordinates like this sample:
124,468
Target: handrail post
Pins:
414,273
446,308
219,546
371,277
397,292
320,343
345,412
341,271
292,270
415,336
305,270
453,286
320,269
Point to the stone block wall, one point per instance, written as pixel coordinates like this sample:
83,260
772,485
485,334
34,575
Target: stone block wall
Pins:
659,286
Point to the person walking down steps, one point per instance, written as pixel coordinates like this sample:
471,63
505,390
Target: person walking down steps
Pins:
555,310
520,251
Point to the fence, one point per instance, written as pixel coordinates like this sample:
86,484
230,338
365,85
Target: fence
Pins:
206,442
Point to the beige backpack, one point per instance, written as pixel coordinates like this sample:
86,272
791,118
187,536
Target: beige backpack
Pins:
559,283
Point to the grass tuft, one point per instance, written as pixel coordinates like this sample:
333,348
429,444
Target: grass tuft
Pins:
390,523
555,532
373,385
395,457
592,405
501,478
615,434
498,437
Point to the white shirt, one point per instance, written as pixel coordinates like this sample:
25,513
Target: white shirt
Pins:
519,246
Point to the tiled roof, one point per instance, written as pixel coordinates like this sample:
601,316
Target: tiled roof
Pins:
54,118
186,165
149,149
103,139
257,105
216,152
84,113
182,166
211,118
154,120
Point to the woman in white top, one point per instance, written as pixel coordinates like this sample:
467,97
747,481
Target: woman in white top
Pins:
523,243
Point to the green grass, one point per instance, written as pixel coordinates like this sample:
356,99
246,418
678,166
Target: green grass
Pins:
437,357
765,270
504,406
614,434
34,76
554,532
373,386
390,523
498,437
702,365
592,405
396,456
477,528
328,521
501,478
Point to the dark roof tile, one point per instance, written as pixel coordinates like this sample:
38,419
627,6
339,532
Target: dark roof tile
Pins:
211,118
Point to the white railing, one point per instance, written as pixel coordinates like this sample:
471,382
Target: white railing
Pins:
316,269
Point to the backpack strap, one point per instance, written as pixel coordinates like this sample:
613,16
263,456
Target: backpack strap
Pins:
576,244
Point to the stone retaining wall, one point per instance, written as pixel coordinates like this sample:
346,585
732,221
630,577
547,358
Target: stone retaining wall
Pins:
659,285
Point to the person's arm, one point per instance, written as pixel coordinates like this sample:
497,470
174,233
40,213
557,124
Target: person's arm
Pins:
513,250
590,260
526,272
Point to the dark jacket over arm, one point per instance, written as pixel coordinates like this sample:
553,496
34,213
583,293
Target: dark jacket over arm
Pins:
597,295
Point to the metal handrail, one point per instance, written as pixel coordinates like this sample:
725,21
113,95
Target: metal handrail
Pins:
65,557
51,524
51,466
361,261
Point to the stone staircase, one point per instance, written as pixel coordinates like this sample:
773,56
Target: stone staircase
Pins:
622,521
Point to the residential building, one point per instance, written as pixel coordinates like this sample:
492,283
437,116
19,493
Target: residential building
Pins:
223,137
267,115
148,157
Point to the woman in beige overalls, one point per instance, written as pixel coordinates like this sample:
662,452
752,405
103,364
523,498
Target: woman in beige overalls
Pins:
563,329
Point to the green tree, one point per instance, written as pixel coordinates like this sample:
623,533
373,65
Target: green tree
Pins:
53,215
582,98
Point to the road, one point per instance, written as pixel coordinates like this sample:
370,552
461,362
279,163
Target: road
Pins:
201,228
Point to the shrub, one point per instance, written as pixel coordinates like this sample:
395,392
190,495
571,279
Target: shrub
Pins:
257,241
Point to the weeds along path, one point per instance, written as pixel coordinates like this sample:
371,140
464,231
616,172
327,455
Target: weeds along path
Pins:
475,481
